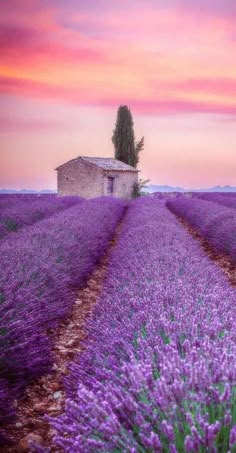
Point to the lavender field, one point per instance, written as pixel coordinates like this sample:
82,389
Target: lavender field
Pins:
157,370
41,267
217,223
225,199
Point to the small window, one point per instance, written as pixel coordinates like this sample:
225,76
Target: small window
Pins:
110,184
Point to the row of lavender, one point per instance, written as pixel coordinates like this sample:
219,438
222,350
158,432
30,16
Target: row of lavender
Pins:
159,370
223,199
226,194
227,199
26,210
215,222
43,265
7,200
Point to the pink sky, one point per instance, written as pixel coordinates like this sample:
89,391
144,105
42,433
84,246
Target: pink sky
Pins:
67,65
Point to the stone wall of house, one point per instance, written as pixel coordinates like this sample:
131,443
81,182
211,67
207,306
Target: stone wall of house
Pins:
123,183
78,178
89,181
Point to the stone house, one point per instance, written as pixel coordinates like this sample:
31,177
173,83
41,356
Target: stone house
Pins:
91,177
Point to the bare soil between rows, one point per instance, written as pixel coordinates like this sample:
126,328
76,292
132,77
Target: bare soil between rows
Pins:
46,395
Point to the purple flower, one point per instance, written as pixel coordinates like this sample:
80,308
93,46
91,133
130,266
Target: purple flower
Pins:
232,437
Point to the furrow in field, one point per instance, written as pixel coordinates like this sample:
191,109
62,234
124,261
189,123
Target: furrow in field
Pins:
46,396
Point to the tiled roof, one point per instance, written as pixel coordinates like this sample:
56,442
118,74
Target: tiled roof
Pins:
106,163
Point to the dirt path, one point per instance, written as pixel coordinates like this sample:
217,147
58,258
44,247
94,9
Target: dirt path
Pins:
221,260
47,394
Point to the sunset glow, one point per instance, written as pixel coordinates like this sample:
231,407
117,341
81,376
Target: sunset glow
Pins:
66,66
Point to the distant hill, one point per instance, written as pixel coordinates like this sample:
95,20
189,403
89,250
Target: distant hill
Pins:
22,191
154,188
151,188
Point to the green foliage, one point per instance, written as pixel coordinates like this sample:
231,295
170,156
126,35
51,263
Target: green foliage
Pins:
138,187
126,148
10,224
2,297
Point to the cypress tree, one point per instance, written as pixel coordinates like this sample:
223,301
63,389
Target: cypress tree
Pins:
123,138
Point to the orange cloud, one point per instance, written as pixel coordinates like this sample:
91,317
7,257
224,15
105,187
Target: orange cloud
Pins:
162,104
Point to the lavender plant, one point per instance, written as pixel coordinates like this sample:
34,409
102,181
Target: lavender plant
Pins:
42,267
222,199
227,194
26,211
216,223
7,200
158,372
